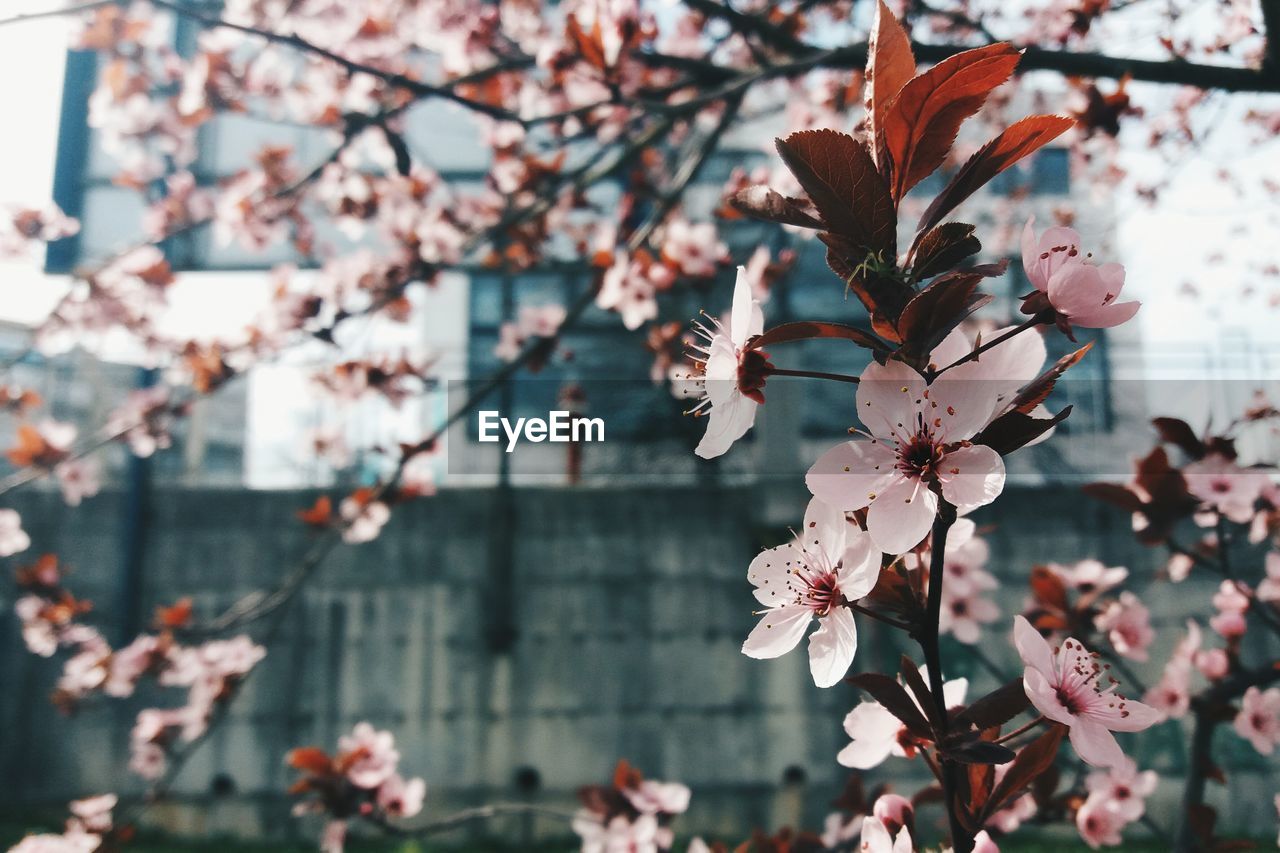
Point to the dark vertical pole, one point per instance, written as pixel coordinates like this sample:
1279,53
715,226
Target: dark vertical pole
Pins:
133,533
499,612
71,160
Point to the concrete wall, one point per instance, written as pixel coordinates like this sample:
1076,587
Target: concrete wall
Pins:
556,630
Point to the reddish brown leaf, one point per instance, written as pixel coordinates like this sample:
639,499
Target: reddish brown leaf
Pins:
995,709
911,675
1017,141
318,515
890,64
921,123
935,311
893,696
761,202
1180,434
309,759
1034,759
1114,494
805,330
1014,430
839,176
1037,390
1048,588
942,248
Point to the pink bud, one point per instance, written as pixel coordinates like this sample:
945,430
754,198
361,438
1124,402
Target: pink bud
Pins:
894,811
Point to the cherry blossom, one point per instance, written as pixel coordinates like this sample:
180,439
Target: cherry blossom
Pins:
1127,622
1269,588
1259,719
1231,601
1099,824
1090,576
401,798
373,755
1064,685
729,377
964,612
13,538
876,838
1222,484
1122,788
364,518
877,733
1083,293
79,479
617,834
1171,695
839,828
917,442
829,562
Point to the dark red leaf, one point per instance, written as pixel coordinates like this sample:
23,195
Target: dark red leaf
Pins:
979,752
911,675
1114,494
1037,390
921,123
805,330
890,64
942,248
1017,141
889,693
935,311
1180,434
1048,588
1034,758
839,176
1014,430
761,202
995,709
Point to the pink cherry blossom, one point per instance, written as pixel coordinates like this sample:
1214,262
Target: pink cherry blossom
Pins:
964,612
1171,695
893,810
1127,623
839,828
727,375
630,288
1213,663
1099,825
983,843
13,538
79,479
1064,685
652,797
618,835
1122,788
876,838
94,813
1085,294
916,447
1259,719
829,562
1090,576
1232,602
1269,587
877,733
1222,484
400,798
364,519
374,755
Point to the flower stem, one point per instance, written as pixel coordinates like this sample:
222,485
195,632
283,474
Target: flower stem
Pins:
814,374
867,611
961,839
1021,730
1030,323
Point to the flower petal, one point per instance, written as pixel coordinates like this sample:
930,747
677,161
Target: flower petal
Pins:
1139,717
973,477
1033,648
901,516
832,647
859,565
746,319
887,395
777,632
727,423
1094,744
769,574
850,474
824,531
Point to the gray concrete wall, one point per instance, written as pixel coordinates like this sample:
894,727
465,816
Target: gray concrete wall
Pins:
604,624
